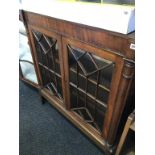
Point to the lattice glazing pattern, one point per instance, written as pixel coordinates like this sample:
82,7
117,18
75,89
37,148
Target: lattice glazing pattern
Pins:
90,80
49,65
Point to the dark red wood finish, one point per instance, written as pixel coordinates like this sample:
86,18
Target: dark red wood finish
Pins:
105,44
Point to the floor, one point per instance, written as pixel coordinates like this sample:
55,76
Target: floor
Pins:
44,131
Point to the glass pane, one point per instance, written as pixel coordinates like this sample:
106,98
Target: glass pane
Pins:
48,60
90,78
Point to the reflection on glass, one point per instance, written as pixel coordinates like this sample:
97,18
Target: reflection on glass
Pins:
48,61
89,79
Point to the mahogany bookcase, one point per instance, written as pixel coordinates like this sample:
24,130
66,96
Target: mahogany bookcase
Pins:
86,73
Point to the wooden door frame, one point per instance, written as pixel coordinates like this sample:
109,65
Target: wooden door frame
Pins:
115,79
60,54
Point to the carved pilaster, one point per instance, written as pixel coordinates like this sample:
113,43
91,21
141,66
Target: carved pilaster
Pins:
124,86
128,69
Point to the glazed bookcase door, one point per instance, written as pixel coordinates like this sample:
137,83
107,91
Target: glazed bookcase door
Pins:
47,51
90,78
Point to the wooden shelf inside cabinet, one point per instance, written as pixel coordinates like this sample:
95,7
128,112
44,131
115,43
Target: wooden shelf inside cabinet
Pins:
84,72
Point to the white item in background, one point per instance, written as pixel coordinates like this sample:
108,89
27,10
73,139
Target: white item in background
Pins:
117,18
24,49
28,71
22,28
27,68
